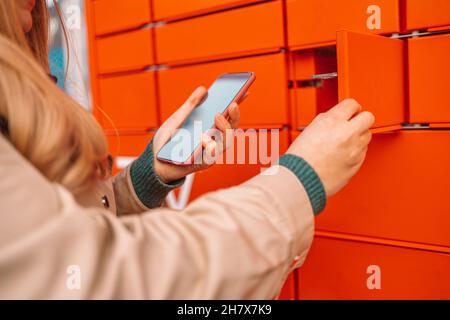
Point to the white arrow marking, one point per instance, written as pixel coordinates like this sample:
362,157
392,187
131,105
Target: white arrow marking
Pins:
184,195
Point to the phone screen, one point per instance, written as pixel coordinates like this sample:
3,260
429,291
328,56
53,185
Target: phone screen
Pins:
220,95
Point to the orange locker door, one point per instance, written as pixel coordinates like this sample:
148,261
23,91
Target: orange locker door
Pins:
313,23
175,9
126,148
429,94
338,269
401,192
129,102
427,14
125,52
266,105
248,30
369,69
117,15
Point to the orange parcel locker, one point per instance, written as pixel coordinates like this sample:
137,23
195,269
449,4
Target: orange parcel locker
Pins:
254,150
118,15
339,269
429,94
248,30
427,14
126,148
314,23
266,105
129,101
401,192
367,68
175,9
125,52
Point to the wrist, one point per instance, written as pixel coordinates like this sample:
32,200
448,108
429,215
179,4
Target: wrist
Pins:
309,178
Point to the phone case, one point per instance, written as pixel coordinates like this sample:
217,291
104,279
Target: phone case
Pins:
239,97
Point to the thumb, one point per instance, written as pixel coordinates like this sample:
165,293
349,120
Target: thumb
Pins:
191,103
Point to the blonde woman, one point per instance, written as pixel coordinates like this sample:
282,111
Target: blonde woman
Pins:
61,211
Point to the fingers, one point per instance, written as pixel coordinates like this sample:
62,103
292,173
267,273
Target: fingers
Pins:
346,109
234,114
209,150
177,119
226,130
366,138
196,97
222,124
362,122
191,103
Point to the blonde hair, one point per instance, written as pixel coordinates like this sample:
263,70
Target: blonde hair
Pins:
45,125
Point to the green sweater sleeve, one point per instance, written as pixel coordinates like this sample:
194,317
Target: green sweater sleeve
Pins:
149,188
309,178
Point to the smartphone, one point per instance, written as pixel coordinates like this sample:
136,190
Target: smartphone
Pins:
186,144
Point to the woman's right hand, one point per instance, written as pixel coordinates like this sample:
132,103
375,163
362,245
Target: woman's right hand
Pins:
335,144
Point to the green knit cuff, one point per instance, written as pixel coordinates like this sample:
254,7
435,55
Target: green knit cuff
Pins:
149,188
309,178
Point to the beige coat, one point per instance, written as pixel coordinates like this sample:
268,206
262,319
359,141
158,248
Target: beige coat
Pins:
239,243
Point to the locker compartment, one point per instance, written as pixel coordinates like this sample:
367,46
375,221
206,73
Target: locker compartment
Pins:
339,269
248,30
175,9
266,105
125,52
367,68
427,14
313,23
117,15
126,148
429,65
228,174
401,192
129,101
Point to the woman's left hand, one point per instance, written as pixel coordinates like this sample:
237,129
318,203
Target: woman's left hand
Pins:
169,172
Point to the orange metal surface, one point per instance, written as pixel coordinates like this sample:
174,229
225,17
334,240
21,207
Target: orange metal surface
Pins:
124,148
175,9
124,52
429,89
427,14
228,175
289,292
315,22
118,15
337,269
266,105
237,32
130,101
371,70
90,35
400,192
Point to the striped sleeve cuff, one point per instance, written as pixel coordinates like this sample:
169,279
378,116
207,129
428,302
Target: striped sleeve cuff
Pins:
149,188
309,178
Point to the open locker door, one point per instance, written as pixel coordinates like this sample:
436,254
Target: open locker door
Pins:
371,70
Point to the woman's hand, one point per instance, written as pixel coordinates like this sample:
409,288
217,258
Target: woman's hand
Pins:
169,172
335,144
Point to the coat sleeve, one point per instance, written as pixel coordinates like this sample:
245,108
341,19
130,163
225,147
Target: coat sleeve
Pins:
138,188
239,243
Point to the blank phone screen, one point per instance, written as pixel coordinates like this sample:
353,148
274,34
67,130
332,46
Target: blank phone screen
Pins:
220,95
